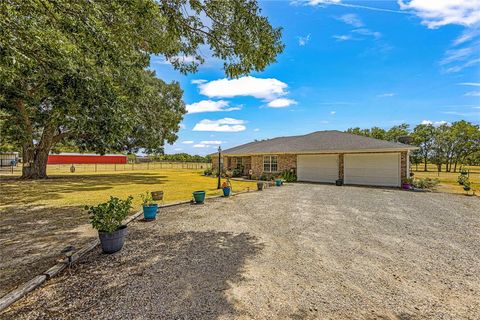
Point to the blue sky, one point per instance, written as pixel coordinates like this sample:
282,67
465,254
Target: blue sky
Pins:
345,64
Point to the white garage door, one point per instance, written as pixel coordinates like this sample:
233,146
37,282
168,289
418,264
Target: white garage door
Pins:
317,168
380,169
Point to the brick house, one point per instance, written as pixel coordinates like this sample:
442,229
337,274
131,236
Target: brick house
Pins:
323,156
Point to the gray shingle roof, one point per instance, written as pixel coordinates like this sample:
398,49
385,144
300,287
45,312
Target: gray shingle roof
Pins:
319,141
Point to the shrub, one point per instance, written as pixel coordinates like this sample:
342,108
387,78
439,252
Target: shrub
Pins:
108,216
237,172
208,172
462,179
425,183
289,176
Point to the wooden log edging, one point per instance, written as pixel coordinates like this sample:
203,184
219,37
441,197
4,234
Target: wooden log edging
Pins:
27,287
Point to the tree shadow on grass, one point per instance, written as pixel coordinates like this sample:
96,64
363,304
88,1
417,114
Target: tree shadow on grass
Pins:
24,192
178,276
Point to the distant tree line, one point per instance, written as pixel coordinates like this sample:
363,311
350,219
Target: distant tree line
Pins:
180,157
448,145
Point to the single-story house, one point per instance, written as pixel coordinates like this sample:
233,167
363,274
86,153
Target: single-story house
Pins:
323,156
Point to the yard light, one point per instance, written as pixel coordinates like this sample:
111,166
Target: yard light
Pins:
219,167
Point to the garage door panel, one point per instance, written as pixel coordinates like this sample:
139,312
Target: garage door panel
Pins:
317,168
372,169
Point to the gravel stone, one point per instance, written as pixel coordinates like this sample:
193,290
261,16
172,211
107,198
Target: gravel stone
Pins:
301,251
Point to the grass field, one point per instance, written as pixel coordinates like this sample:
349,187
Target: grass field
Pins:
78,189
448,180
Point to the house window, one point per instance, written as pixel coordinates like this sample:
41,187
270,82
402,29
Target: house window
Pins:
270,164
239,163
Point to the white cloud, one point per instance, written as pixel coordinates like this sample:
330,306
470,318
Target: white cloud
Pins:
267,89
454,55
221,125
333,112
347,5
473,94
343,37
435,123
188,142
302,41
209,106
211,142
256,129
198,81
473,84
281,103
200,145
183,59
467,35
317,2
367,32
437,13
351,19
178,149
388,94
182,126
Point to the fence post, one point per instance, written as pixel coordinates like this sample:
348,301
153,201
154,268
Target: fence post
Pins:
115,167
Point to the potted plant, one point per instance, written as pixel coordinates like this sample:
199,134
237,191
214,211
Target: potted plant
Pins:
260,185
107,218
199,196
278,182
407,183
150,208
226,187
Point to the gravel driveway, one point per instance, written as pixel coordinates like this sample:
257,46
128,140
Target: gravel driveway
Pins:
301,251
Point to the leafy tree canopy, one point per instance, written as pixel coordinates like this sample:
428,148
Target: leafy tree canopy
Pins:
76,72
449,144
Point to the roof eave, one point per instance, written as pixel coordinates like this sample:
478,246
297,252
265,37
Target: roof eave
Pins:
408,148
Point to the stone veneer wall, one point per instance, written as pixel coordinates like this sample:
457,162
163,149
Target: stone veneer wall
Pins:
257,165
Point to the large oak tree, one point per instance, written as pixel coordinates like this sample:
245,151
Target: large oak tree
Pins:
76,72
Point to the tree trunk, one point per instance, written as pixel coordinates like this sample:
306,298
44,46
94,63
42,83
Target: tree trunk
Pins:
35,158
425,169
35,164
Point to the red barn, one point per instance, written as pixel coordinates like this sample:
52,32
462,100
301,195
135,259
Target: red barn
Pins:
79,158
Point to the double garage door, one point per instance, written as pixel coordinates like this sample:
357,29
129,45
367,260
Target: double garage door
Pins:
376,169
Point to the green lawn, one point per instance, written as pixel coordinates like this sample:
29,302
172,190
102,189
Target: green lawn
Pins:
79,189
448,180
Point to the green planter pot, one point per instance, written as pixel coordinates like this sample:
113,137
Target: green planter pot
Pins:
278,182
199,196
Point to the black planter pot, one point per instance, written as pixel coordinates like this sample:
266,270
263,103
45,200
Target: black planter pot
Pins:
112,242
339,182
